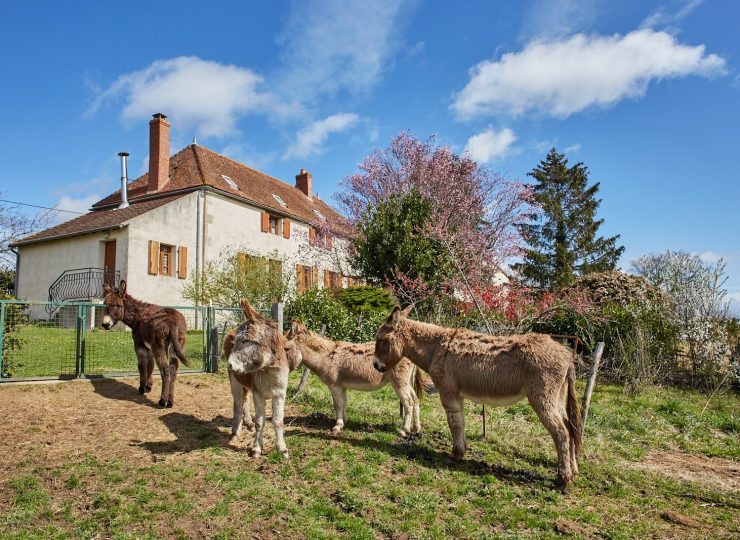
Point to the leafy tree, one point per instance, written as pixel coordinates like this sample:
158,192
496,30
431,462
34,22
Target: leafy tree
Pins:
389,245
563,241
15,225
459,225
364,299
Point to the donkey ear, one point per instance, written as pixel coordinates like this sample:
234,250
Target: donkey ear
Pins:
107,288
295,327
394,317
122,288
248,310
407,310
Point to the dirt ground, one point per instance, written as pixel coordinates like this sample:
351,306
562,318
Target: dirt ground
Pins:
107,418
701,469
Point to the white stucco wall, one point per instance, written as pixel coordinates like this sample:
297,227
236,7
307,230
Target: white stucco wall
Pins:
42,263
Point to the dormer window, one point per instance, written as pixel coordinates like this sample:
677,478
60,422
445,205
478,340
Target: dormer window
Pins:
280,201
319,215
230,181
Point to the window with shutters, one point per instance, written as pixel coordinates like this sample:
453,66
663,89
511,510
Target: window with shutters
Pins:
306,277
166,260
276,225
332,280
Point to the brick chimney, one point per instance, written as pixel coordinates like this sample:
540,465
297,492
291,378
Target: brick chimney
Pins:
159,152
303,182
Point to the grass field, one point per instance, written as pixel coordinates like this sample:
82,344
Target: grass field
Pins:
662,464
49,351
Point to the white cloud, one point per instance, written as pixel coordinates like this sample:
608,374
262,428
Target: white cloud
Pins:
562,77
339,45
490,144
309,140
573,148
193,92
556,18
710,257
667,17
66,202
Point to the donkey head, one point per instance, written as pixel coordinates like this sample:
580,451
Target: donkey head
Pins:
257,342
114,305
389,340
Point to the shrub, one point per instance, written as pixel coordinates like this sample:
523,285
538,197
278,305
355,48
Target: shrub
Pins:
367,300
14,317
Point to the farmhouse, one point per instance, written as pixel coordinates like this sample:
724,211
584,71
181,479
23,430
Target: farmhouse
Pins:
187,209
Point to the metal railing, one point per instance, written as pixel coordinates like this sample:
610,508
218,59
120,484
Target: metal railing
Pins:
70,343
81,284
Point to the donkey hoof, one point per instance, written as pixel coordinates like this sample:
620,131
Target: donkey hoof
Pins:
169,404
147,388
255,453
141,390
161,404
336,430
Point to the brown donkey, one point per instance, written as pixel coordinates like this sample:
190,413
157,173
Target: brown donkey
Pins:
341,366
492,370
258,363
156,330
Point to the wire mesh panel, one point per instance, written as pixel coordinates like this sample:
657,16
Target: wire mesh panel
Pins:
36,343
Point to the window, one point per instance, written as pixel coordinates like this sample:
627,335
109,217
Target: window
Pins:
280,201
229,181
306,277
320,215
332,280
274,225
166,262
278,226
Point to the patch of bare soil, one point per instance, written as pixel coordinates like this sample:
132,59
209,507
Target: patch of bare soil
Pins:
695,468
45,425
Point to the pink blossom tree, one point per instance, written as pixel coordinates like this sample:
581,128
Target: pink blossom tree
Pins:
474,210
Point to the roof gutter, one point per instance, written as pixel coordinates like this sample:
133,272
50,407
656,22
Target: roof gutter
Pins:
68,235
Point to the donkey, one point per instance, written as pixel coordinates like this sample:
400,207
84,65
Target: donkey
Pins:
341,366
158,332
258,363
493,370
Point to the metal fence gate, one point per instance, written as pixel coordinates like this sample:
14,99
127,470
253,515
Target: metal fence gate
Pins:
64,340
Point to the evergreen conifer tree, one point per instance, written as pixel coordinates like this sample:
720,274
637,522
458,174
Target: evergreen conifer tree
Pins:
562,239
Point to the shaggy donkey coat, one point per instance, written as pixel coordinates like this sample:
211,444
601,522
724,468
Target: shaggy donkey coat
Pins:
341,366
258,363
157,332
492,370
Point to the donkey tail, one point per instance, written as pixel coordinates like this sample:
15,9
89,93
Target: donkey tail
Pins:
176,348
574,422
419,383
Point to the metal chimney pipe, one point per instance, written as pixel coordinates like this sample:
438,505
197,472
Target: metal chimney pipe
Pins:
124,181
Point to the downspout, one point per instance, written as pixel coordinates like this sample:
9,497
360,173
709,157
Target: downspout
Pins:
17,269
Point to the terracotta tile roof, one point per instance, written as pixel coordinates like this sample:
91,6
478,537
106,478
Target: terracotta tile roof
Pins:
97,220
195,166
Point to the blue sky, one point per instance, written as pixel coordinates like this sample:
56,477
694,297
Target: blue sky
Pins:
646,94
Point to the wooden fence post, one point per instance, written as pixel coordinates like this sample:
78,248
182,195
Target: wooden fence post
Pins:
592,381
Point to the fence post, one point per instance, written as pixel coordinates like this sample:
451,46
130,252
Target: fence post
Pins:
2,338
213,341
276,312
591,381
79,357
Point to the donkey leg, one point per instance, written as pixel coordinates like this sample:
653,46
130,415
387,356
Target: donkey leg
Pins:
173,377
143,359
160,356
564,416
548,411
455,409
259,422
406,396
246,414
339,396
149,372
278,413
237,394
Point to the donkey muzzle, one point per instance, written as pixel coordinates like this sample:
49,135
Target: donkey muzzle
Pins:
107,322
378,365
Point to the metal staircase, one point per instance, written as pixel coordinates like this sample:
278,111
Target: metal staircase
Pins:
80,284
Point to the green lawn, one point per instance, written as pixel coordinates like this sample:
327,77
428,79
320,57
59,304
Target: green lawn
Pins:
368,483
50,351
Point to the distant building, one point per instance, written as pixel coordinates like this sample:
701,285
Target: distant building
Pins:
185,210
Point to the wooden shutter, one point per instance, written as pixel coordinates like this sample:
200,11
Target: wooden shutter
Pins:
329,241
315,277
299,277
311,235
327,279
182,262
153,267
286,228
265,222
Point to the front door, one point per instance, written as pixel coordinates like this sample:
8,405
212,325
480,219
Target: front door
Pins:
109,266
